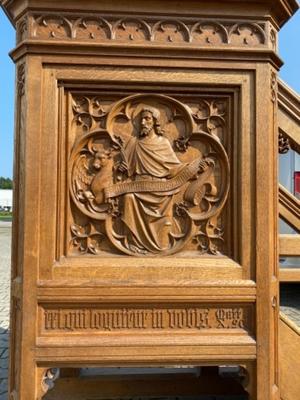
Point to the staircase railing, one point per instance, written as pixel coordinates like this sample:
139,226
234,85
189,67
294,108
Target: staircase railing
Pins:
289,205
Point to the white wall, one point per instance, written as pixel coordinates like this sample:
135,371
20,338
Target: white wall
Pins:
288,164
6,196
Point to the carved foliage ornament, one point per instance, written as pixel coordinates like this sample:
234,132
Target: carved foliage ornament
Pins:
48,379
283,143
21,73
151,176
274,86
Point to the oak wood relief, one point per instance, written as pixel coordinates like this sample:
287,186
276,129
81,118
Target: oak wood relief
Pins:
150,173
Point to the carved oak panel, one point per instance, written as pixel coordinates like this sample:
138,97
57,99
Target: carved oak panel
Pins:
148,174
146,188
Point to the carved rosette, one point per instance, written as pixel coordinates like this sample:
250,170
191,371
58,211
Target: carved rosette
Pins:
149,174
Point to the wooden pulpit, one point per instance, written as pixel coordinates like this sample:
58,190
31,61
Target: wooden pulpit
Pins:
145,226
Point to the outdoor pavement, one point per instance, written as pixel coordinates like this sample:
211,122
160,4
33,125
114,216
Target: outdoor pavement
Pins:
290,301
5,238
290,304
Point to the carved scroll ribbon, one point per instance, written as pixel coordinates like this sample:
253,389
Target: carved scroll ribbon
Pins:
180,179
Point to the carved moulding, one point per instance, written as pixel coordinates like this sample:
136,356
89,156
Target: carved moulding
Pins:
150,177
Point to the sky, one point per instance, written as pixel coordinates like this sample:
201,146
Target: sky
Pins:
289,50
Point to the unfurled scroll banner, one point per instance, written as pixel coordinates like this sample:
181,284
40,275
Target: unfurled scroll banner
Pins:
180,179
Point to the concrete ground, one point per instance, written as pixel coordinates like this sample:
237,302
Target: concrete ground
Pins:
290,304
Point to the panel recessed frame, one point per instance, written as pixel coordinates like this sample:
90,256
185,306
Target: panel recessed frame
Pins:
236,263
149,175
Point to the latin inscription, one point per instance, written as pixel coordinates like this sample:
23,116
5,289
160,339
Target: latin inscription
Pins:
144,319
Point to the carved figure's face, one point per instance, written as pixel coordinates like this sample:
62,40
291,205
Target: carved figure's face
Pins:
147,123
101,159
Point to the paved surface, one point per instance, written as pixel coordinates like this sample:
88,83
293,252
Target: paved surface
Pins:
5,238
290,301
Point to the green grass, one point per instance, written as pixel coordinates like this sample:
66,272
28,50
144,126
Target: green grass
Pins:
5,216
6,219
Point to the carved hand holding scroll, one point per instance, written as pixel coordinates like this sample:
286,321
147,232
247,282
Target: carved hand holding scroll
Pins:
151,177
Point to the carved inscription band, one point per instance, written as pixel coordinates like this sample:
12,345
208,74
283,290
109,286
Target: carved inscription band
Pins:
101,320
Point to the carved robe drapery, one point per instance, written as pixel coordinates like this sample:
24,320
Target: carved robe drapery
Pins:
151,156
148,216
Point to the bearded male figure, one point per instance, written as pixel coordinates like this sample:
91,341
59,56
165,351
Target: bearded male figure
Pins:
148,216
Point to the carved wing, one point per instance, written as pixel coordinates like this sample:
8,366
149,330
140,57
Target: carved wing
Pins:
82,175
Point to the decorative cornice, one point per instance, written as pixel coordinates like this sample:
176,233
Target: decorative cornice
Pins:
146,30
185,53
283,10
279,10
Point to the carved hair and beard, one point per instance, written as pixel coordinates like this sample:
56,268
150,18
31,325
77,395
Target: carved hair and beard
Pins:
150,119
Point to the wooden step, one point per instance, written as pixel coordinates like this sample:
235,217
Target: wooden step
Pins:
289,358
